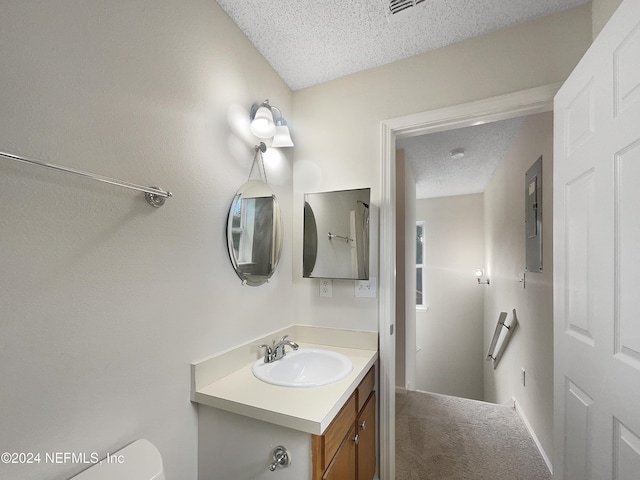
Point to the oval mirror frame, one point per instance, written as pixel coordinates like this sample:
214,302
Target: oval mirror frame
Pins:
254,233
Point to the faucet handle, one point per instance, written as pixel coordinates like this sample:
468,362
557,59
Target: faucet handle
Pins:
268,353
282,339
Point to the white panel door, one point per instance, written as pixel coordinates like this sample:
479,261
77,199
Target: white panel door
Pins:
597,259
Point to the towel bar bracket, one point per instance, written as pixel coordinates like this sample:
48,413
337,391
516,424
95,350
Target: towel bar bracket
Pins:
154,199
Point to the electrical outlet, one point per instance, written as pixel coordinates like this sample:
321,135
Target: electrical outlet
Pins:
523,377
366,288
326,287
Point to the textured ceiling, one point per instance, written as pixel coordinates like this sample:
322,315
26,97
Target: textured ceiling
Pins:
309,42
439,175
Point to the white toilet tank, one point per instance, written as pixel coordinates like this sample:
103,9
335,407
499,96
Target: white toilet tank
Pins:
139,460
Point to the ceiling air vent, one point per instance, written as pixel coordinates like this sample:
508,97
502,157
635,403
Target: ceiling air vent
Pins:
396,6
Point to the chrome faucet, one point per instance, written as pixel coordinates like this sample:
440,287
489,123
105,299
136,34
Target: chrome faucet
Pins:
277,351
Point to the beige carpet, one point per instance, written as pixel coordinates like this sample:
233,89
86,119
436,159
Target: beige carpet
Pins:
448,438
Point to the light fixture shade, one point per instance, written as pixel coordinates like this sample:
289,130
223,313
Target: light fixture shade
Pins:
262,124
282,137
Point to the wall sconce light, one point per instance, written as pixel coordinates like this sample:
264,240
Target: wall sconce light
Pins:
481,277
263,124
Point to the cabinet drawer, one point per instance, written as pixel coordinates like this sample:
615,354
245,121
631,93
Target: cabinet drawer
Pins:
366,387
336,432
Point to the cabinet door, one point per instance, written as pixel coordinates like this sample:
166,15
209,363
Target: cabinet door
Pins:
343,465
366,430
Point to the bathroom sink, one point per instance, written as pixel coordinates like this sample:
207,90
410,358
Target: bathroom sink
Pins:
306,367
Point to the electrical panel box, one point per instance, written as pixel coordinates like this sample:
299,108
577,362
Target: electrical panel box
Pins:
533,217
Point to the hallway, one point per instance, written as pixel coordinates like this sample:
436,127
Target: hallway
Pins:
448,438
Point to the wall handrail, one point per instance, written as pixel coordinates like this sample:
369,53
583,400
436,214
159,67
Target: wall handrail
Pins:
504,330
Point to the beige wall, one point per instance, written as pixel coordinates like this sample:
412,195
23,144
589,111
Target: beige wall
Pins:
601,11
337,124
401,268
531,346
449,334
104,300
405,265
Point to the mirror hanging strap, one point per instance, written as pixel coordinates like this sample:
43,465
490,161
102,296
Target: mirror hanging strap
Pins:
259,150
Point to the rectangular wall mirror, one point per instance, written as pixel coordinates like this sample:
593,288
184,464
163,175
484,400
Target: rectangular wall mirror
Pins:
336,234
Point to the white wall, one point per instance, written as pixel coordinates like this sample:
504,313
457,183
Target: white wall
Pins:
247,450
338,123
104,300
410,283
531,345
401,268
405,262
449,335
601,11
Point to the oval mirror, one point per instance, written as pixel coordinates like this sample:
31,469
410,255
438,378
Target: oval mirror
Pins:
254,233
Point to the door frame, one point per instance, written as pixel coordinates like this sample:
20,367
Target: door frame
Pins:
493,109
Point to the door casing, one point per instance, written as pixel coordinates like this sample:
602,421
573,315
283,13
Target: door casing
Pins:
503,107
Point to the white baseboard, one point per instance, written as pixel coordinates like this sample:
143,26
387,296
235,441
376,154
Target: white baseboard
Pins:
401,390
524,418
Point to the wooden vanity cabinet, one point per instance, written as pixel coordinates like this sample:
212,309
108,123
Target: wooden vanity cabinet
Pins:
366,448
343,464
347,449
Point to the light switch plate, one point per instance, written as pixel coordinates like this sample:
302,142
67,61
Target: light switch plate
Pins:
366,288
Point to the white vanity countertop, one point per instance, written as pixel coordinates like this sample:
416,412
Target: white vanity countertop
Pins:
308,409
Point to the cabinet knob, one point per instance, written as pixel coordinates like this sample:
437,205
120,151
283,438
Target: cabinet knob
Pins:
363,425
356,439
